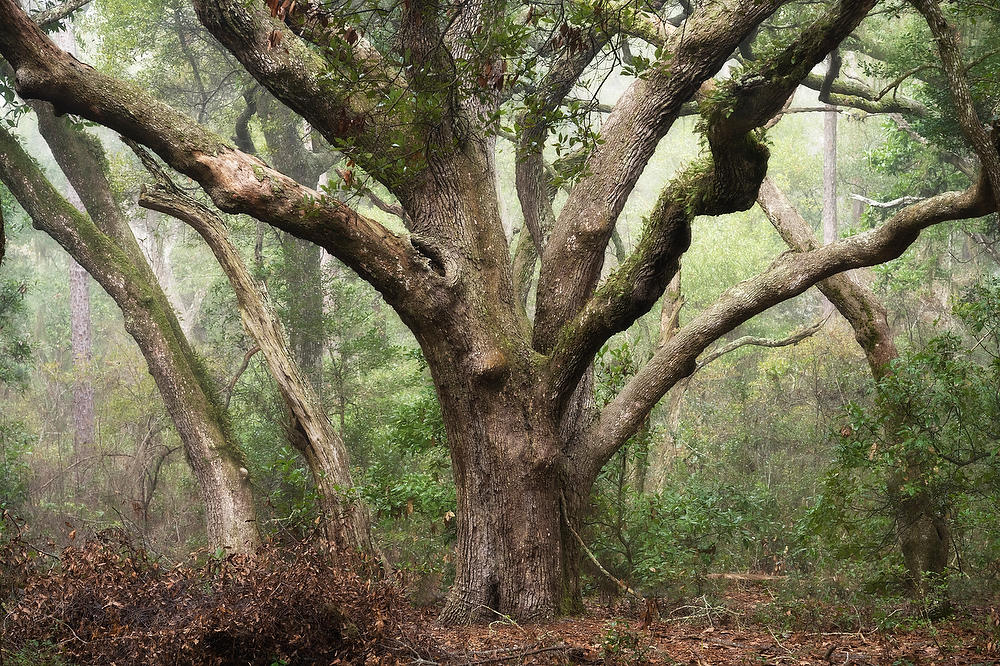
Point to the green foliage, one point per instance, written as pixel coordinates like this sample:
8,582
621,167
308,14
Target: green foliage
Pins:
621,645
664,543
409,488
15,446
932,423
14,349
35,653
726,507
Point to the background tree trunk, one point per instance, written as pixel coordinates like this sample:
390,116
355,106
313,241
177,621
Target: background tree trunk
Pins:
345,521
291,148
109,252
84,429
922,531
829,182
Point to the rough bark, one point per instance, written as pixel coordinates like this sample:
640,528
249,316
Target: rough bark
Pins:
515,395
186,390
345,523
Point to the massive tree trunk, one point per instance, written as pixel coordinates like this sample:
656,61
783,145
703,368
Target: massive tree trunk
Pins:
108,251
509,450
517,492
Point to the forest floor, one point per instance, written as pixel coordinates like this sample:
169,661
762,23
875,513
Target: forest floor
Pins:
109,603
729,631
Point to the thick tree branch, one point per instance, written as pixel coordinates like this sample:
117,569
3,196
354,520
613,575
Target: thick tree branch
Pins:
789,275
299,76
979,136
236,182
573,259
728,182
51,16
855,95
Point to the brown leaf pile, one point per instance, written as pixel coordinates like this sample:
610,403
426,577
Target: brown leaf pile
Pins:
110,603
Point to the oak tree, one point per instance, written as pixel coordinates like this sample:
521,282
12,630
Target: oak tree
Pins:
415,94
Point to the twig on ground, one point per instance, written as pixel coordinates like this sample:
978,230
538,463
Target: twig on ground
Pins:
528,653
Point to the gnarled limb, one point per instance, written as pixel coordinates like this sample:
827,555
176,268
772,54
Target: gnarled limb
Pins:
856,95
236,182
727,183
573,259
979,136
59,12
789,275
277,53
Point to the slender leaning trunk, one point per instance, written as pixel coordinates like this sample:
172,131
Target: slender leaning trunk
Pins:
109,252
345,522
83,391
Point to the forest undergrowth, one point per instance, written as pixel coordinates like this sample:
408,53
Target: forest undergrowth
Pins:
106,600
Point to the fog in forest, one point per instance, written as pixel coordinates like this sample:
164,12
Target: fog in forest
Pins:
453,332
